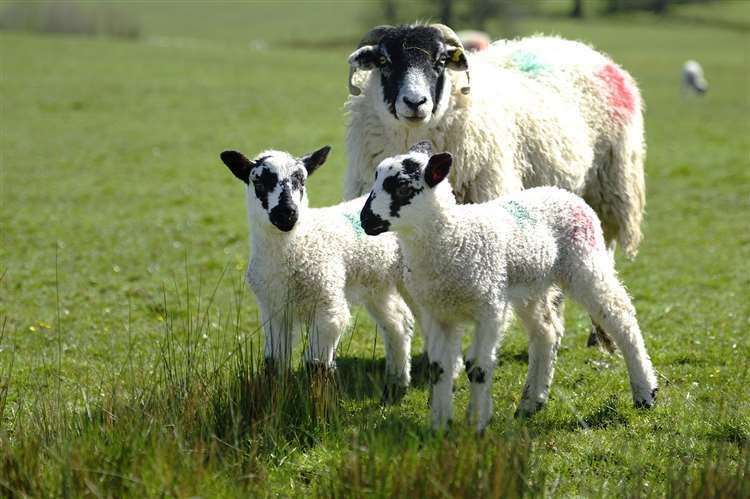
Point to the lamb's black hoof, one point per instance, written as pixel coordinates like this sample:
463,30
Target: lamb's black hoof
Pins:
647,404
393,393
525,413
319,370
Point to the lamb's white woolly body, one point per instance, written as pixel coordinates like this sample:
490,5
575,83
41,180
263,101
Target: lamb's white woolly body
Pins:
541,111
309,276
476,262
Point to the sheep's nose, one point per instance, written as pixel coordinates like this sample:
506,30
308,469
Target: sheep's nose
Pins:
414,105
284,218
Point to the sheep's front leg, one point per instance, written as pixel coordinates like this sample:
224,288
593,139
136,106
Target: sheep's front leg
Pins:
396,324
329,323
444,347
278,332
480,365
545,329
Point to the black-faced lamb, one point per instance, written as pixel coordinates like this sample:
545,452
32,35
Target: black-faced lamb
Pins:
476,262
308,265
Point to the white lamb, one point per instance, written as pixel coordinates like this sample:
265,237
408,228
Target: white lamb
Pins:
308,265
476,262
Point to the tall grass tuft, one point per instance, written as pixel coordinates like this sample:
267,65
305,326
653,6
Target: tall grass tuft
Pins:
458,465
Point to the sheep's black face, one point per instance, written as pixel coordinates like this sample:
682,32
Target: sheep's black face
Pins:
411,61
276,182
400,185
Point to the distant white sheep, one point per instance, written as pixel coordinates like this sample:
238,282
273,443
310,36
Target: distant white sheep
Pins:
308,266
693,79
475,262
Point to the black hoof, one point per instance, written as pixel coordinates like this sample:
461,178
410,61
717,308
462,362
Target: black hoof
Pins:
647,404
526,413
392,393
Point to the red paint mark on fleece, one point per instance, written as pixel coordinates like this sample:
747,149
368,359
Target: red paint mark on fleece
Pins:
621,99
582,229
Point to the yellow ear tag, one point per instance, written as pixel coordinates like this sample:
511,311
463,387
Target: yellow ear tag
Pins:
456,55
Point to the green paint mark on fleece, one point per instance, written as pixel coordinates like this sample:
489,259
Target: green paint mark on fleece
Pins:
353,220
528,62
520,214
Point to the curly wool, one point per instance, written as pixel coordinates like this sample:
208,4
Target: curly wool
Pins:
477,262
541,111
309,277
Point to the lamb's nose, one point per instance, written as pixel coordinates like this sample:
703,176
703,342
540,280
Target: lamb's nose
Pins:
414,105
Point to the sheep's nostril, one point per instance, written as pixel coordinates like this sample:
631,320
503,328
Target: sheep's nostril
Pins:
414,105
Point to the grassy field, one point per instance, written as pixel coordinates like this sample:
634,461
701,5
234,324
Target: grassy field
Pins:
128,344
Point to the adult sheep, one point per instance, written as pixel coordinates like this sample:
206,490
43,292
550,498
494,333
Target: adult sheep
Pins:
524,113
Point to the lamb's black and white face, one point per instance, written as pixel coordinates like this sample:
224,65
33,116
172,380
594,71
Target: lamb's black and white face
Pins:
411,62
276,182
403,186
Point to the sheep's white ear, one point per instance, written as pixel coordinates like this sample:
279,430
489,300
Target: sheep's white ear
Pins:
437,168
238,164
424,147
315,159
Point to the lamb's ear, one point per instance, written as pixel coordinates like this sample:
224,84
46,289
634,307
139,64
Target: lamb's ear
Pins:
315,159
238,164
437,168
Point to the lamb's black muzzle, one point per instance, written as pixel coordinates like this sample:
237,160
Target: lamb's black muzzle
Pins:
284,218
372,223
284,215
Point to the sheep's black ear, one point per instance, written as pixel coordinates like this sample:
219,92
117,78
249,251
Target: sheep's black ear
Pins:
457,59
366,58
239,164
437,168
424,147
315,159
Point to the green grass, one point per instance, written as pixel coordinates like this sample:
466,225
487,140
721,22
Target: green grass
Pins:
128,345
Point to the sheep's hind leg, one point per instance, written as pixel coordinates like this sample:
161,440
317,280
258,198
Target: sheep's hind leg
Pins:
544,327
480,365
597,288
396,323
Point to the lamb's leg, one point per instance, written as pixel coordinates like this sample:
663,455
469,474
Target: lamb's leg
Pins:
480,365
597,288
396,324
444,348
597,336
545,329
329,322
278,331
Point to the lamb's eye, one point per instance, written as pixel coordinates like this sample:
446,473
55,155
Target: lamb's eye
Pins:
382,61
403,191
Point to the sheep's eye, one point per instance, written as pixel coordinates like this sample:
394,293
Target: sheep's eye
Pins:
382,61
440,62
403,191
259,186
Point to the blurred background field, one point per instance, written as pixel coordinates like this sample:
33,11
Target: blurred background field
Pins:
119,224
